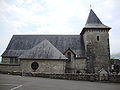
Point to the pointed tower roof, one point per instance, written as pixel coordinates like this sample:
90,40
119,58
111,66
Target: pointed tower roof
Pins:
44,50
94,22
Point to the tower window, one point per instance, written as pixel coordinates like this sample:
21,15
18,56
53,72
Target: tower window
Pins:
98,38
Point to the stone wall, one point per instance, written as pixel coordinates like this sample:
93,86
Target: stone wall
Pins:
7,60
114,78
80,65
67,76
76,64
84,77
70,64
9,67
97,49
45,66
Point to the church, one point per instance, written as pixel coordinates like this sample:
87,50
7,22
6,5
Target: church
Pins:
87,52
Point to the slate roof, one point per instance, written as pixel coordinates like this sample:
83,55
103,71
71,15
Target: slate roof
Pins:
44,50
94,22
20,43
70,50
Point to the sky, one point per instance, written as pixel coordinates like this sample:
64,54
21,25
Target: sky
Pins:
56,17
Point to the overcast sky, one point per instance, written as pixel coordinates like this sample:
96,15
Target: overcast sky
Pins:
56,17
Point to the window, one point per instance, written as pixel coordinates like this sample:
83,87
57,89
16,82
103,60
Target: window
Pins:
98,38
34,65
69,56
16,60
11,60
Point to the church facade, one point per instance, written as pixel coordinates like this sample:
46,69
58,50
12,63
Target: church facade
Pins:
88,52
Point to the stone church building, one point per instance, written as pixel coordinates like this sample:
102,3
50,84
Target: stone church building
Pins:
87,52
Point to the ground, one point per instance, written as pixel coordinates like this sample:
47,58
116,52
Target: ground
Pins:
10,82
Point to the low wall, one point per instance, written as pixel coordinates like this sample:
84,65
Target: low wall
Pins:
81,77
85,77
114,78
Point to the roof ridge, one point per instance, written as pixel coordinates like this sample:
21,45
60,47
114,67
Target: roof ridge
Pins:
46,35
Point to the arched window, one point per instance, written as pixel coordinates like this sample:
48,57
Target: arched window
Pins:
98,38
69,56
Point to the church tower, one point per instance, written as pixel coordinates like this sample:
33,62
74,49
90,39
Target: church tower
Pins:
96,41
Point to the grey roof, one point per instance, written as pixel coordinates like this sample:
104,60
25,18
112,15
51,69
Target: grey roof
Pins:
12,53
70,50
44,50
94,22
20,43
